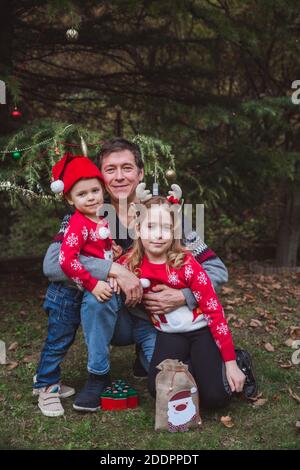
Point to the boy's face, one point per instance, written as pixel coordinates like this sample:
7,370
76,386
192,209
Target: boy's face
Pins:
87,196
121,175
156,231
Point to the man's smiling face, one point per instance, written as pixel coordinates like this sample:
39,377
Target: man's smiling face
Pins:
121,175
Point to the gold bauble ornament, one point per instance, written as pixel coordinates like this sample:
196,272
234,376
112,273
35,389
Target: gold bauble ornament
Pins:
170,174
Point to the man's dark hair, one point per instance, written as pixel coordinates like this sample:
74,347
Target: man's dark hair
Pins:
118,144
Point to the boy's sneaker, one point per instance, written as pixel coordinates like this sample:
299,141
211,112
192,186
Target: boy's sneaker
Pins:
64,390
244,362
89,397
49,401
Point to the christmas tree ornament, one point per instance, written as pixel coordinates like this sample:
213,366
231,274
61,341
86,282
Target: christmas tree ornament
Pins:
72,34
83,146
170,174
16,153
145,282
16,113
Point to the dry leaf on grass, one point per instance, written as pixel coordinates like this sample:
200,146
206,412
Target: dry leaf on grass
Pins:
259,402
13,346
31,358
294,395
289,342
287,365
227,421
294,332
256,398
269,347
12,365
227,290
255,323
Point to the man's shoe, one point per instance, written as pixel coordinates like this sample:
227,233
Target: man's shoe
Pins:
88,399
244,362
49,401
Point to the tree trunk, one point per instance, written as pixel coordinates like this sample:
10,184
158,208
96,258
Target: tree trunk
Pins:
289,230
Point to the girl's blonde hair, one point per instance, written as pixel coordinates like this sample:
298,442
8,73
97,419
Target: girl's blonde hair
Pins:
176,252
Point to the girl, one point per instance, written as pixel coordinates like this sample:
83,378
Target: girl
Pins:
201,336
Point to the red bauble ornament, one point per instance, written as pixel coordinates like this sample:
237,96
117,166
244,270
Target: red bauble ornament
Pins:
16,113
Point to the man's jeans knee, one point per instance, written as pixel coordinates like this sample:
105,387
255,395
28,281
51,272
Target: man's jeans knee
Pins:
144,334
98,320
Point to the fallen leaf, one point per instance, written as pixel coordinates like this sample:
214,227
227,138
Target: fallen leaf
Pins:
295,332
259,402
239,323
298,424
12,365
255,323
231,316
227,290
289,342
31,358
18,397
13,346
256,398
227,421
294,395
269,347
288,365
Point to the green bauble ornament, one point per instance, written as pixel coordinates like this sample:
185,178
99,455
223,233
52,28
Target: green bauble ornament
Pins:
170,174
16,153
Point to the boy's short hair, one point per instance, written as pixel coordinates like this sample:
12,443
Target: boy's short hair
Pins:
117,144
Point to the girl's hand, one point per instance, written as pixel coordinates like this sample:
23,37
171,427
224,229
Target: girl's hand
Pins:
102,291
117,250
235,376
114,284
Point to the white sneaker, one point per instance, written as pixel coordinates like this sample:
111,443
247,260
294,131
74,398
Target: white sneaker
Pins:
49,401
64,390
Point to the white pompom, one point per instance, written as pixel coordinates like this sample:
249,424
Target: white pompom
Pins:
104,233
145,282
57,186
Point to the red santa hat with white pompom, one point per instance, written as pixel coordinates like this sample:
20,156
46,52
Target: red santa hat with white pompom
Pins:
70,169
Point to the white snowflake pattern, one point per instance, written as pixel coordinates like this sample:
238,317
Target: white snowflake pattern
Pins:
197,295
72,240
222,329
188,272
77,281
202,278
85,233
173,278
93,235
212,304
62,257
76,265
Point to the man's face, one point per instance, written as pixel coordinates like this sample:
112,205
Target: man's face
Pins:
121,175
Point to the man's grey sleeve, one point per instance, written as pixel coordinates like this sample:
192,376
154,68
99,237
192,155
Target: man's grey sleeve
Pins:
98,268
217,272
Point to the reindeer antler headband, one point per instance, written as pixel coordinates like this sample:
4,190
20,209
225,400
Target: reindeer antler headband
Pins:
144,194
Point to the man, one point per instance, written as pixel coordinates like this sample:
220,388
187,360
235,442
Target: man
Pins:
121,164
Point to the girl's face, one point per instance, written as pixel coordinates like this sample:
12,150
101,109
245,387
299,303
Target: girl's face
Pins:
87,196
156,231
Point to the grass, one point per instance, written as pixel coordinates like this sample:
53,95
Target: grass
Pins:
270,426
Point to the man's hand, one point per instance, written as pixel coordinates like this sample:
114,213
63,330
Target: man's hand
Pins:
114,284
129,283
102,291
163,299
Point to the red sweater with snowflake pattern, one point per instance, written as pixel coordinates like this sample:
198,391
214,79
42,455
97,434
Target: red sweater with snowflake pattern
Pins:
84,236
209,311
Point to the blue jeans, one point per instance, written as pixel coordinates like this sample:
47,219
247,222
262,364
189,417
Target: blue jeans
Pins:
110,322
62,304
98,320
